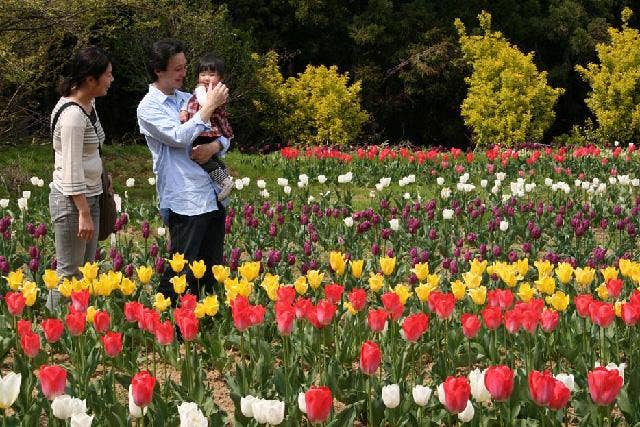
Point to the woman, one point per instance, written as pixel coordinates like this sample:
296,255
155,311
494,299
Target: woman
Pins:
77,184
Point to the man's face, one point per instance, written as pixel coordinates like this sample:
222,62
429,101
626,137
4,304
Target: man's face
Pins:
173,76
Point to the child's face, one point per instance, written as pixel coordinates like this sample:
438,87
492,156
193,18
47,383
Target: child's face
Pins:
206,77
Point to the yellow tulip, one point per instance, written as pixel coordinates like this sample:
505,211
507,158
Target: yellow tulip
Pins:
544,268
387,265
161,303
423,291
50,279
421,270
585,276
211,305
127,286
526,292
564,272
609,273
245,288
458,289
198,268
522,265
81,285
177,262
559,301
618,307
546,285
269,279
90,270
356,267
471,279
403,292
478,267
602,291
15,279
91,313
301,285
179,283
29,292
249,270
376,281
337,262
144,274
349,307
199,311
271,288
65,288
478,295
230,283
314,277
509,275
433,280
103,286
626,266
220,272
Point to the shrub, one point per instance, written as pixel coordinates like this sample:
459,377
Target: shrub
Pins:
615,83
509,101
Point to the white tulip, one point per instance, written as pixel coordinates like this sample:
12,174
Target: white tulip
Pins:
246,181
402,182
379,186
302,403
411,178
567,379
394,224
287,189
130,182
282,182
372,194
345,178
445,192
301,184
406,196
348,221
81,420
191,415
118,200
468,413
34,180
64,406
478,389
616,143
310,199
246,405
322,179
504,225
239,184
548,182
9,389
304,179
23,204
484,183
421,395
268,411
4,203
577,183
385,182
161,231
26,194
624,179
264,193
440,180
135,410
501,176
447,213
261,183
635,182
391,395
441,396
612,180
464,178
151,181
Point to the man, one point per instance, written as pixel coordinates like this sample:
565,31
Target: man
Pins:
188,196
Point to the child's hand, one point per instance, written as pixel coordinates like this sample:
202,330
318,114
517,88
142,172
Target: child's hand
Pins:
184,116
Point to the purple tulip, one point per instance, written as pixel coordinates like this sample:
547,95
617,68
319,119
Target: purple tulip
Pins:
145,230
496,250
98,254
313,264
159,265
34,252
128,270
424,255
390,252
31,229
433,234
291,259
257,255
34,263
54,263
526,247
41,230
117,263
4,266
273,231
153,250
235,254
385,233
375,249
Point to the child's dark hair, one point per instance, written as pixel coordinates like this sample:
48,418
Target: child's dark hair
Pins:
161,52
212,63
90,61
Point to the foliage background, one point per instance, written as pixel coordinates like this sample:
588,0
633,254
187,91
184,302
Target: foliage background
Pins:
405,53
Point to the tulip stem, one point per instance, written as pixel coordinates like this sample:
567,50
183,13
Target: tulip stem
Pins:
602,348
369,402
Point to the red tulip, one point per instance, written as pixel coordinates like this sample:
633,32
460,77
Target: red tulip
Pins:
549,320
318,401
240,313
53,380
53,329
604,385
325,311
470,325
529,319
391,302
142,385
358,298
149,319
377,319
602,314
442,303
456,391
414,326
301,307
256,314
502,298
631,313
15,303
80,300
541,386
187,322
24,326
492,317
112,342
188,301
164,332
561,395
285,315
512,320
286,294
614,287
101,321
499,381
132,311
75,322
370,357
333,292
30,343
582,303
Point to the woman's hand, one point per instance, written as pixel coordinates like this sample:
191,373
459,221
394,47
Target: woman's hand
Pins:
110,185
85,225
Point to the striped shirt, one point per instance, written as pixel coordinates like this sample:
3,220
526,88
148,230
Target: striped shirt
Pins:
77,167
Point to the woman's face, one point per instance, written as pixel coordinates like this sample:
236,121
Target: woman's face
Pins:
206,77
100,86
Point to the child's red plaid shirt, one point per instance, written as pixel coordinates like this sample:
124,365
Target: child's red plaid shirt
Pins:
219,120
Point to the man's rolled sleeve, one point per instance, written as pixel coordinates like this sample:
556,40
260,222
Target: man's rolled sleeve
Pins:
154,123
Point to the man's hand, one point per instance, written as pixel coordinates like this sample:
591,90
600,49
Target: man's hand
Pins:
202,153
216,97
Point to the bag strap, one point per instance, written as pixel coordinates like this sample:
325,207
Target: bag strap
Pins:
93,118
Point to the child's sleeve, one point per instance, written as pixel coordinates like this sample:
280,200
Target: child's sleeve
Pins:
201,95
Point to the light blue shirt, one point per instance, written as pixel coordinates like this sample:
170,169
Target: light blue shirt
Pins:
182,185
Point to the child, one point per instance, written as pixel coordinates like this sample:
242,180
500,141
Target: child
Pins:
211,70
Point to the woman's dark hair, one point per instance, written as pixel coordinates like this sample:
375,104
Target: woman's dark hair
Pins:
161,53
90,61
212,63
